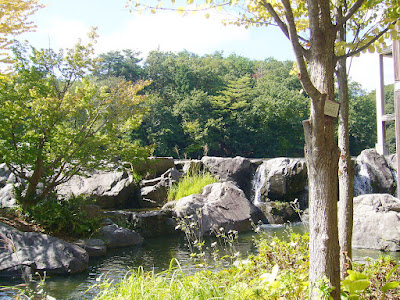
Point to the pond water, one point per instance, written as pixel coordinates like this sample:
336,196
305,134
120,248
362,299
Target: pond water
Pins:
155,254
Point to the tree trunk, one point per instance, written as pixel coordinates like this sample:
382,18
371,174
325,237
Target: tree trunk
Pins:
29,199
346,173
322,157
322,164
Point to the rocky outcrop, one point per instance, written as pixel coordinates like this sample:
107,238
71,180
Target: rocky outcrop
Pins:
281,179
154,192
377,222
154,166
221,204
238,170
373,174
110,189
94,247
30,252
7,181
115,236
147,224
279,212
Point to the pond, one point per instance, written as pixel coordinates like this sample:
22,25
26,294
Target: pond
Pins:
155,254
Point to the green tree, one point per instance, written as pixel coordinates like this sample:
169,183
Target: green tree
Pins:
312,30
123,64
57,123
362,119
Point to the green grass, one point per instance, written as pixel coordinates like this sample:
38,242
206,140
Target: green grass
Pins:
279,271
190,184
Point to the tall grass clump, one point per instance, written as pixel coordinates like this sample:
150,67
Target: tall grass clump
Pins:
279,271
191,183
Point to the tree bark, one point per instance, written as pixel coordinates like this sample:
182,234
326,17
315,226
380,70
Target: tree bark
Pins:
321,153
346,170
322,156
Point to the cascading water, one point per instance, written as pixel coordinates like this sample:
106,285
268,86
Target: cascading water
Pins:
362,180
257,184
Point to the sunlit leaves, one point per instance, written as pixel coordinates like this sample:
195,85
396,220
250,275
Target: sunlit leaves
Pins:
56,122
14,16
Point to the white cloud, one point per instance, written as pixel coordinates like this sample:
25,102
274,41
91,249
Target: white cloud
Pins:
64,33
171,32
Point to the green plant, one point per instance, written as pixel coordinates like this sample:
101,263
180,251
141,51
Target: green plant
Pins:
64,217
191,183
354,284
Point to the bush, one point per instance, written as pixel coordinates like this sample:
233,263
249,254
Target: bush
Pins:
64,217
192,183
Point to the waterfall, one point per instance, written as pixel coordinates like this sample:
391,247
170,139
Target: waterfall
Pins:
257,184
362,180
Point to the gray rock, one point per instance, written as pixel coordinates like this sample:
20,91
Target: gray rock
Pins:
238,169
221,204
38,252
94,247
285,179
7,181
377,222
154,192
115,236
147,224
110,189
373,174
278,212
154,166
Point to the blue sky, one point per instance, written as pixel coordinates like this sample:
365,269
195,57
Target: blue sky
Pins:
62,22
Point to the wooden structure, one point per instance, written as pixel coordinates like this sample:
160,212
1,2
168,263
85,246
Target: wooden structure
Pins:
381,117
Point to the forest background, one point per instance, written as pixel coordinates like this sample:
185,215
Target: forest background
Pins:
229,106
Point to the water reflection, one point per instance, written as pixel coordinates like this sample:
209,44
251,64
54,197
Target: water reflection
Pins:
156,254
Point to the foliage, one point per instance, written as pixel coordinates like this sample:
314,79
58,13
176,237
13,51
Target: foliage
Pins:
191,183
65,218
362,122
211,105
279,271
14,21
57,123
123,64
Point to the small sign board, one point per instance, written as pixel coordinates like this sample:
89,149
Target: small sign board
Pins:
331,108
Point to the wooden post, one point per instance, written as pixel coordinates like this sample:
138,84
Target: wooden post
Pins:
396,60
380,111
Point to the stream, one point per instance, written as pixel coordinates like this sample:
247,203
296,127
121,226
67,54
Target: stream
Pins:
155,254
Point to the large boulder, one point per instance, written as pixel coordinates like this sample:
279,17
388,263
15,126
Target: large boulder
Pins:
147,223
373,174
29,252
7,181
111,189
280,179
154,192
221,204
115,236
238,170
377,222
154,166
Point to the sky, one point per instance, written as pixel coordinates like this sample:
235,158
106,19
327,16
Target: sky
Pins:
62,22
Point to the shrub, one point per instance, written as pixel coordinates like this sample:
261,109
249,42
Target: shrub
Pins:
192,183
64,217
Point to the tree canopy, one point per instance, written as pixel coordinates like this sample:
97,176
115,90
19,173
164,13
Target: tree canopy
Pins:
56,122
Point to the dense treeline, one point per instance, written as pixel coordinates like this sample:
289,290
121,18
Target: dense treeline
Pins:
227,106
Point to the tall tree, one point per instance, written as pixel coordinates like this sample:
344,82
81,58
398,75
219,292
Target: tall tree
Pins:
312,30
123,64
55,123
